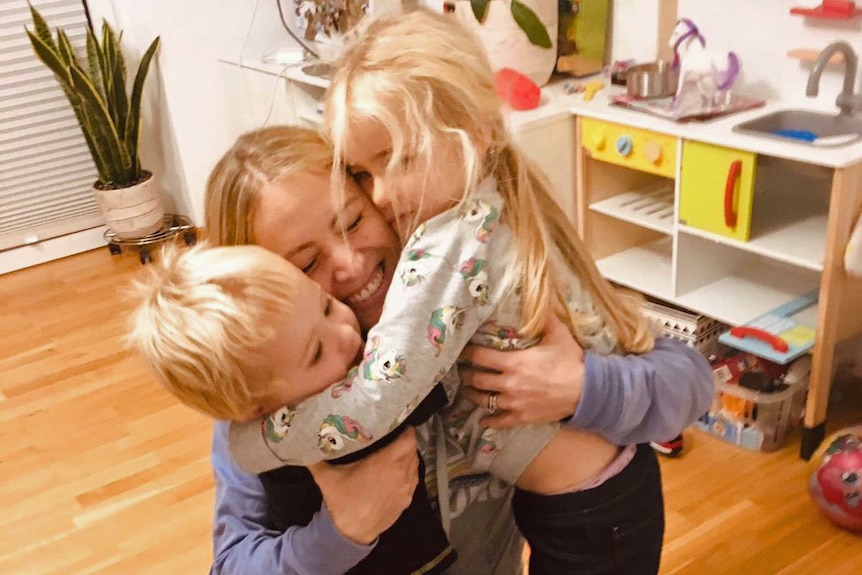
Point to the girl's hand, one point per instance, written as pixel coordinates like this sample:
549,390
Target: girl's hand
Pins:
537,385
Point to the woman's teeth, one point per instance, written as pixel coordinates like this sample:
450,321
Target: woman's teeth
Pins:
370,288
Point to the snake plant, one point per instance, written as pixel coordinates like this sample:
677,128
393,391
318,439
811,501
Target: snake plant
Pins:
96,89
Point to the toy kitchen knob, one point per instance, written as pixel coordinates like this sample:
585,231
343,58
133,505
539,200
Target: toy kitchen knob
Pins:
599,141
653,152
625,146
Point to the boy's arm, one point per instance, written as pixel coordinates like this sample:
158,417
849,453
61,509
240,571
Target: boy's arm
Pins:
446,285
244,541
648,397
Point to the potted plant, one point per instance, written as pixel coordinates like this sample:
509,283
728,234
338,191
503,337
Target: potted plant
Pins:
110,120
514,33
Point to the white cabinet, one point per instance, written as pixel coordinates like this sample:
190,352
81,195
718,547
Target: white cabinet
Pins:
551,144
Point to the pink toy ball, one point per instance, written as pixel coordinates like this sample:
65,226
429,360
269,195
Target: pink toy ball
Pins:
836,484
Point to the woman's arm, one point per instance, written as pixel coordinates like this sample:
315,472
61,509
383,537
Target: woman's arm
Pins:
244,541
628,399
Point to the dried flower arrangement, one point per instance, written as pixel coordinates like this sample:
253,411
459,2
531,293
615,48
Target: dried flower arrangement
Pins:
332,17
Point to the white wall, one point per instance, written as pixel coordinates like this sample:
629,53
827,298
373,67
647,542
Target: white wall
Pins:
634,28
203,104
762,32
196,105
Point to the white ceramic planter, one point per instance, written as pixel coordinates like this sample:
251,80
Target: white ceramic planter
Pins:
507,45
133,212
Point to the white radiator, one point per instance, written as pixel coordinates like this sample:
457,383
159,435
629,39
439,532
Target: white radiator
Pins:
46,172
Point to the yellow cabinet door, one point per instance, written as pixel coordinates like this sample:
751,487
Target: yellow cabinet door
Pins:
717,189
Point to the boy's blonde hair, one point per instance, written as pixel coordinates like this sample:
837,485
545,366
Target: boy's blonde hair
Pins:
201,316
431,80
257,159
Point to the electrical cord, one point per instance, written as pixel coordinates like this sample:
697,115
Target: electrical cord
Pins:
248,30
292,34
273,93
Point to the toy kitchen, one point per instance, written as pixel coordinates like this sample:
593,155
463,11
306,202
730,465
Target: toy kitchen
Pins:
726,183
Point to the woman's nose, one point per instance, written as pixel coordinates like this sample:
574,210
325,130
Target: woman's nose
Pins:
347,263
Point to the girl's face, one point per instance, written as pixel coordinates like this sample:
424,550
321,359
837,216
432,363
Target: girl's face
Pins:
416,191
296,219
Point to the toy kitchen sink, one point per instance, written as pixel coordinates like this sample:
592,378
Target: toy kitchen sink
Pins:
817,128
807,127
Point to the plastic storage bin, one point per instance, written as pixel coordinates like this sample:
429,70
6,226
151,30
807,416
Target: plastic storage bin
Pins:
754,420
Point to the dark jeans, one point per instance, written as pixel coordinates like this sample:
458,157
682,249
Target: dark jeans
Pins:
615,529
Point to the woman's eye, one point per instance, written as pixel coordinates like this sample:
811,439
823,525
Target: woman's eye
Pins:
328,308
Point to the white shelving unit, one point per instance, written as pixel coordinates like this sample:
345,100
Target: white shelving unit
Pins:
634,233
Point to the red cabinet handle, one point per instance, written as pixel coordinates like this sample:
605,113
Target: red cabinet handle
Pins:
729,193
776,342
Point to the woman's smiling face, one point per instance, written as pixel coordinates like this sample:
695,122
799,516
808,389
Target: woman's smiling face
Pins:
297,219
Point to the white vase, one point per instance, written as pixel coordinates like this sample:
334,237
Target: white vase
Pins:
132,212
507,44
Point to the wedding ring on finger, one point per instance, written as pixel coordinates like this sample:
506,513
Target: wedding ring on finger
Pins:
492,403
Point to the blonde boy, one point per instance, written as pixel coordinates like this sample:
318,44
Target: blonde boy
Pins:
237,332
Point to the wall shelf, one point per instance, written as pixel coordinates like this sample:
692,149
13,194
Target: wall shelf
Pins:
650,207
809,56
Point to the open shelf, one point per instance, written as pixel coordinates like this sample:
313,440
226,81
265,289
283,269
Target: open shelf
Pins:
650,207
750,292
645,268
800,242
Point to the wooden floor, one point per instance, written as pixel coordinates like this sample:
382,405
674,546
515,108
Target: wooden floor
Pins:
102,472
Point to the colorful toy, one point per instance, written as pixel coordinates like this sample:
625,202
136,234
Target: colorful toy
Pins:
517,90
836,485
705,77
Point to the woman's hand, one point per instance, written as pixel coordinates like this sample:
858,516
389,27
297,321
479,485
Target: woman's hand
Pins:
365,498
537,385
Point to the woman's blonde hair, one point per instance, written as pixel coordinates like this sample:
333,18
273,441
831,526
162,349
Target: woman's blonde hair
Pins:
257,159
431,80
201,316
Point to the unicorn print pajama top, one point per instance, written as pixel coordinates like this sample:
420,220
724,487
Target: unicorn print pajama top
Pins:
451,287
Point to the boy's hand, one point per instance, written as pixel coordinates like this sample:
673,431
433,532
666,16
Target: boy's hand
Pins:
365,498
537,385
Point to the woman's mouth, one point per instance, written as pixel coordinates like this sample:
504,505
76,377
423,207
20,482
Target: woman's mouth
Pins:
370,288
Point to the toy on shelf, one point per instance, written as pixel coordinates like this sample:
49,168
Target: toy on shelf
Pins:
706,77
829,10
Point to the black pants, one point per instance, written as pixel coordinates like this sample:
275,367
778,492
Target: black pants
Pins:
416,542
616,528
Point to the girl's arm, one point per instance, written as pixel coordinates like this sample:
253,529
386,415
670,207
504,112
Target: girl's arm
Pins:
628,399
449,279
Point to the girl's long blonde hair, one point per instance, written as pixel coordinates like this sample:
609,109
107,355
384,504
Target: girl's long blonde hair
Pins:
257,159
431,79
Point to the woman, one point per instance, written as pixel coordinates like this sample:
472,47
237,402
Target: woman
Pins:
272,189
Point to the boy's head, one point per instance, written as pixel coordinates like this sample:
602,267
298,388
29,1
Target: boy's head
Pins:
237,332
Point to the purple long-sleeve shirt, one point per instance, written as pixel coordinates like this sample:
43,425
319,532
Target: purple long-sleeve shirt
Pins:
627,399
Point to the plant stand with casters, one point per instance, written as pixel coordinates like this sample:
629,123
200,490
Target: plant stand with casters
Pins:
174,225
